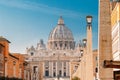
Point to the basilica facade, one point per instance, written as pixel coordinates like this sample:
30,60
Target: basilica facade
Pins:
54,60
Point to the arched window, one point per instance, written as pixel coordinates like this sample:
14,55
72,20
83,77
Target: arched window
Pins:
61,45
31,53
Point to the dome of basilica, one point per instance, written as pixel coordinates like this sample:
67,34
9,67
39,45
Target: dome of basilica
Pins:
61,37
61,32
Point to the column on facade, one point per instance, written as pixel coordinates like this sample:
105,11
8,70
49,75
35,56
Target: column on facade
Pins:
56,69
63,47
50,45
28,75
60,45
6,69
49,69
52,69
32,73
53,45
14,71
70,69
71,45
57,45
25,75
67,69
44,69
62,68
37,74
20,73
68,45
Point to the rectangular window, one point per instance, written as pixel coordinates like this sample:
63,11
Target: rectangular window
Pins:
46,73
54,74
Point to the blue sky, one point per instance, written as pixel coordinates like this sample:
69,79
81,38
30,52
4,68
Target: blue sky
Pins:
25,22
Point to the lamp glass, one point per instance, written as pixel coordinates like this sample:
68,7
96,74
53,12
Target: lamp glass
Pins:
89,19
81,51
84,41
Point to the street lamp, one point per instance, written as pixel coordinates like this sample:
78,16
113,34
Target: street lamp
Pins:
89,19
84,42
81,52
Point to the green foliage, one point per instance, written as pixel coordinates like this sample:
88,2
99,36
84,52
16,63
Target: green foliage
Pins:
76,78
6,78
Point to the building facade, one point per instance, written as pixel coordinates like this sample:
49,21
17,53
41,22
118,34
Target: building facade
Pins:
11,65
104,40
115,24
2,65
54,60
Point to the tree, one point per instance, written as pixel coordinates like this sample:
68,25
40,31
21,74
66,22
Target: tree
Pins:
76,78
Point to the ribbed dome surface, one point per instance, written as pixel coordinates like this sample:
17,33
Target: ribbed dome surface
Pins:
61,32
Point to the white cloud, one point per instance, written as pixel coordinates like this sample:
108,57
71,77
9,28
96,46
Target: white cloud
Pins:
40,8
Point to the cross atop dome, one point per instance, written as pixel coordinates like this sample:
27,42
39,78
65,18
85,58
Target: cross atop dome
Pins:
60,21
